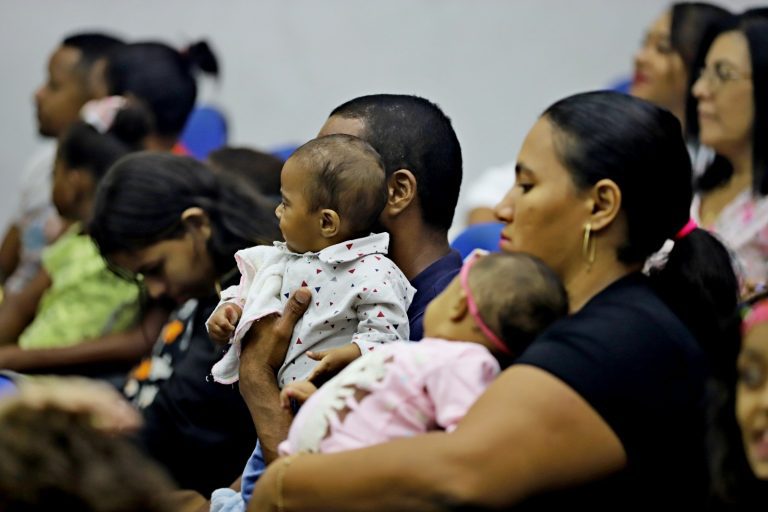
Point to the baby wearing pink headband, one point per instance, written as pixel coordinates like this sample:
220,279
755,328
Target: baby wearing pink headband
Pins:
486,316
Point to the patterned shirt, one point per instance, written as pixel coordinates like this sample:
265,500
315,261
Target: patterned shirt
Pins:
743,227
358,295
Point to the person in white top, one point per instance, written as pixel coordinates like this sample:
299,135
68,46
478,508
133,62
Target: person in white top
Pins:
58,101
733,120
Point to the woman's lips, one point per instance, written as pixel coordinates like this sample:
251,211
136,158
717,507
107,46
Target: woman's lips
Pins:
503,241
639,78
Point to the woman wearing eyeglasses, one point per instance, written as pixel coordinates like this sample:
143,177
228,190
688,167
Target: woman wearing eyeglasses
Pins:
732,91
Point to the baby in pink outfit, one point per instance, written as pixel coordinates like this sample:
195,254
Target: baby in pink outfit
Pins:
403,389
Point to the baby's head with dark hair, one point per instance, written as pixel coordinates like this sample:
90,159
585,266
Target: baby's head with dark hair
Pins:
516,295
344,174
56,460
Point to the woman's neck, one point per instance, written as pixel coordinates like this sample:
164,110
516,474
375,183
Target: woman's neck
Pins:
589,280
742,163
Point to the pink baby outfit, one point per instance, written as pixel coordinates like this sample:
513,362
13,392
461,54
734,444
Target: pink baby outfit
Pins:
398,390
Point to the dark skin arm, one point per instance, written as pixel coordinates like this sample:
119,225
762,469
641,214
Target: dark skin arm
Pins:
126,347
263,352
10,251
545,437
18,310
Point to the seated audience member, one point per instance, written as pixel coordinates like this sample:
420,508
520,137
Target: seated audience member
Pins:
423,164
583,424
665,67
333,190
163,79
55,459
471,333
76,300
733,120
58,103
671,55
435,381
422,159
261,169
171,223
752,401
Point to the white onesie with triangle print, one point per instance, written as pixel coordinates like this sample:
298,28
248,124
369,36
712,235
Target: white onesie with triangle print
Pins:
358,295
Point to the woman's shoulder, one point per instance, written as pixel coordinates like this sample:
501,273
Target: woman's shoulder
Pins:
624,328
630,308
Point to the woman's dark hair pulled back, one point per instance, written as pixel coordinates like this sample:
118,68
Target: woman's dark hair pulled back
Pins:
141,199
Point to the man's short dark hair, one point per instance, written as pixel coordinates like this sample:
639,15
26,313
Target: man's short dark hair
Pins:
92,46
412,133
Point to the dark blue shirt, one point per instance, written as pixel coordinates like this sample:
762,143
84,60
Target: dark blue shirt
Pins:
429,283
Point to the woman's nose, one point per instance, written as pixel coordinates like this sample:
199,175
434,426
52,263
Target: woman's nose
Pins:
700,88
640,56
505,210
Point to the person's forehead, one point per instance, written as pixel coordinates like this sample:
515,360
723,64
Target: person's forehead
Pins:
64,61
342,125
135,260
732,48
294,173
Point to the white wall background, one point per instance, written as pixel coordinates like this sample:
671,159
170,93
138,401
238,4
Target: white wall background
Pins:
493,65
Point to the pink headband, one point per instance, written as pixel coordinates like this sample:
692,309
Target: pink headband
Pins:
757,315
101,113
685,231
473,310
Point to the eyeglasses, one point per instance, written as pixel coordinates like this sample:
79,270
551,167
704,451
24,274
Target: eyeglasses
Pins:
720,74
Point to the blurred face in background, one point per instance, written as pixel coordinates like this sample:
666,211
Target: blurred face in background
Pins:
725,93
660,75
59,99
752,397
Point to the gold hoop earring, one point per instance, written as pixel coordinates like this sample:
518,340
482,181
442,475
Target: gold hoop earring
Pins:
588,245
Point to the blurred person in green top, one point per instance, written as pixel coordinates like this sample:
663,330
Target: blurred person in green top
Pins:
76,299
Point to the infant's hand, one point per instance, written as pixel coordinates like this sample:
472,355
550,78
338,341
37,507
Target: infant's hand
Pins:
221,325
300,391
332,361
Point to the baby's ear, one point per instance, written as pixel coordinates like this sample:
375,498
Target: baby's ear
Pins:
330,223
459,308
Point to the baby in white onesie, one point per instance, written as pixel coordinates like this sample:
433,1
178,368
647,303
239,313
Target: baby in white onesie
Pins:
333,189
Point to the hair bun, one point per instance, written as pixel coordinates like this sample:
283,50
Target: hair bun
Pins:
200,55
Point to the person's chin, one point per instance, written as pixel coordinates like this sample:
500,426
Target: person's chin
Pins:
44,132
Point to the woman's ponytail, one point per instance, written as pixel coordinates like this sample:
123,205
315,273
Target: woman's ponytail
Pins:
699,284
201,56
